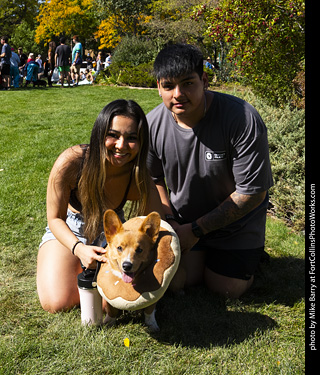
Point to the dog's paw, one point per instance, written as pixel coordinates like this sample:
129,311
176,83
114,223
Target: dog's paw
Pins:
153,327
151,322
109,321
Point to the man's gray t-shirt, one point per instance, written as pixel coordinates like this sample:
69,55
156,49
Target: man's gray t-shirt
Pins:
7,50
226,151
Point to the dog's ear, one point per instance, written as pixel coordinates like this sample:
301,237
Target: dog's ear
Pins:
112,225
151,225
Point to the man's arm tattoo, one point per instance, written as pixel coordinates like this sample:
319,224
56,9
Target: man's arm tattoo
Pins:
232,209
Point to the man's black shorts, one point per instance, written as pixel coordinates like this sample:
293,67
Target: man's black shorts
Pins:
5,70
235,263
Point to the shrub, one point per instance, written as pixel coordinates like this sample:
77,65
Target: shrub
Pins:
124,74
134,51
138,76
106,77
287,153
132,64
300,90
286,135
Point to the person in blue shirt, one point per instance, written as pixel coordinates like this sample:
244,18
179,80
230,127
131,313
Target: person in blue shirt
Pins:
32,69
14,68
5,62
208,63
77,55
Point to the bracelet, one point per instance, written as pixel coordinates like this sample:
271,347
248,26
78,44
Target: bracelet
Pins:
74,246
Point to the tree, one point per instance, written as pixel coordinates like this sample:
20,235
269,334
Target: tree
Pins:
65,17
266,40
12,13
23,36
172,22
120,18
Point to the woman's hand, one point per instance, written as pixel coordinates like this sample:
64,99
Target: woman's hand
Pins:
89,255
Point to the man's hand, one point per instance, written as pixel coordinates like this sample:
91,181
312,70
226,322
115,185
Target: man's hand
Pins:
186,237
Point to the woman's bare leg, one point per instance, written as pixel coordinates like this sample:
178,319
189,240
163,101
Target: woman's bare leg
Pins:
57,271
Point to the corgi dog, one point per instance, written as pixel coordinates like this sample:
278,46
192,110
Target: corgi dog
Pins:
131,249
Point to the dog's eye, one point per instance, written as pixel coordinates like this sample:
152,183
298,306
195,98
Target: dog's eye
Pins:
120,249
139,250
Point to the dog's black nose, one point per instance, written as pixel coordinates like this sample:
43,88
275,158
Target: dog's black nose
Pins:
126,266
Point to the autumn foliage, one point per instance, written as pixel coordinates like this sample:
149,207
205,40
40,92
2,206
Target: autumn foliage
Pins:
69,17
114,28
264,40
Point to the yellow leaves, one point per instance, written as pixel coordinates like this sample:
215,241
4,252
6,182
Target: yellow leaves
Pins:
63,16
71,17
114,27
146,19
107,33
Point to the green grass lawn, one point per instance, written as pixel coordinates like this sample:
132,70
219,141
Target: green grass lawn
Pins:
262,333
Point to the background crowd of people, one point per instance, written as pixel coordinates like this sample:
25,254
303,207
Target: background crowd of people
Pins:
61,64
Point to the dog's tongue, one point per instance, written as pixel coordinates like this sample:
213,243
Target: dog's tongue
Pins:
127,277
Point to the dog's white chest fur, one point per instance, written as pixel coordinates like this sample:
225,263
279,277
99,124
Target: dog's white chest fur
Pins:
117,273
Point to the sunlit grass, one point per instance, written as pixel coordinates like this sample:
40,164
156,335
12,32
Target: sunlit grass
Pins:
262,333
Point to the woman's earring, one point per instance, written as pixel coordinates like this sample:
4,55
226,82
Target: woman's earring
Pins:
160,95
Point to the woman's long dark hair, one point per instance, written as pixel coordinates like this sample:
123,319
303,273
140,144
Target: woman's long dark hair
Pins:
94,173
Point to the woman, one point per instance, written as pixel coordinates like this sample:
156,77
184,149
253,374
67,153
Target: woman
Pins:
99,63
85,181
51,62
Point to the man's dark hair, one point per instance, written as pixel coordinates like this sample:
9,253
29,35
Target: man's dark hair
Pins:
5,38
63,40
177,60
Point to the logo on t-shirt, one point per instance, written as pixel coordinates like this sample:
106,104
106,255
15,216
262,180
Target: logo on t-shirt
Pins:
215,155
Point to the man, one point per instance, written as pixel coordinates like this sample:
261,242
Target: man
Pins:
14,68
62,60
209,63
108,60
5,63
89,61
77,53
210,151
